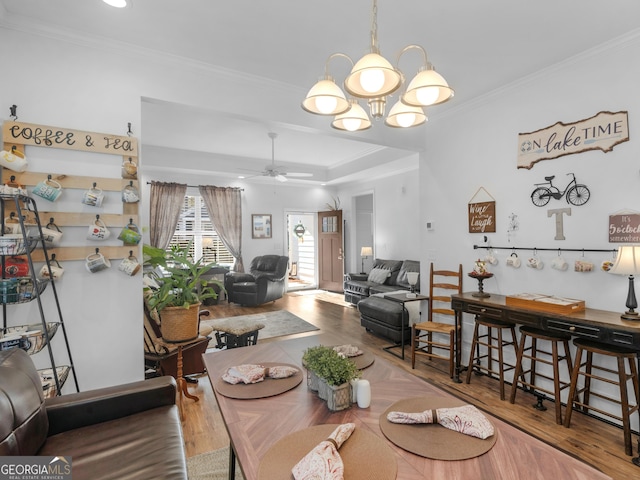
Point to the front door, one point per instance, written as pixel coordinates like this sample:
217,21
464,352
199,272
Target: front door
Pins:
330,251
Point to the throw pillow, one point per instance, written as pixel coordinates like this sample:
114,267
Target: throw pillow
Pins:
379,275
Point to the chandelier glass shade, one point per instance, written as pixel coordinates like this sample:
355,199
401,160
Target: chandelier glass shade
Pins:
404,116
353,120
374,78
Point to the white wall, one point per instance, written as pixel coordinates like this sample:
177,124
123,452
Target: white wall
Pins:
68,86
477,147
396,218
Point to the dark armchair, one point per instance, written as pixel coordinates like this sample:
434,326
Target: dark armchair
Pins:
265,281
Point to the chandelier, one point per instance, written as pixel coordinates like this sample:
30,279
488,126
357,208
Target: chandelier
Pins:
374,78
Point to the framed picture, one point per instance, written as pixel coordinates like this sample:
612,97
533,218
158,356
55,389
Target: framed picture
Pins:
260,226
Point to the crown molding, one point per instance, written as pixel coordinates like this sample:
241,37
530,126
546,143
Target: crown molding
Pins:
623,41
29,26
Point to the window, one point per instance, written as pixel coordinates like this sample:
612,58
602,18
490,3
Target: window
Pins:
194,224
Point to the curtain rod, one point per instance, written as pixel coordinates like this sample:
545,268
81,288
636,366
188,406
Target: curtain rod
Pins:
196,186
475,247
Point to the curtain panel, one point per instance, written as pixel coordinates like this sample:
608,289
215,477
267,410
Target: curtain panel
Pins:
164,212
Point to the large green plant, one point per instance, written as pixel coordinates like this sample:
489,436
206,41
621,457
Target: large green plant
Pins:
180,282
328,364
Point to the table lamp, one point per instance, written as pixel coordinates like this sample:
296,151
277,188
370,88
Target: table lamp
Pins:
628,263
364,253
412,278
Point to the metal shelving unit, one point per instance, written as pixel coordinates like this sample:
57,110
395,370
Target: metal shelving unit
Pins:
29,288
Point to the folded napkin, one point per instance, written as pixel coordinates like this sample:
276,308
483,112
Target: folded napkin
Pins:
348,350
256,373
466,419
324,462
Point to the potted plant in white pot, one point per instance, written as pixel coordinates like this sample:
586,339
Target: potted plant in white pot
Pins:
330,374
175,289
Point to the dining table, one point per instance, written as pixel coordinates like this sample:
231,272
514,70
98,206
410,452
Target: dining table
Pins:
256,426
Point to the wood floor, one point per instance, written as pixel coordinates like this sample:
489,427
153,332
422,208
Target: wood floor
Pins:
589,439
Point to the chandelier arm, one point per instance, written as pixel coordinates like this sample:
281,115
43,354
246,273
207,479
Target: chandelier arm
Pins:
410,47
332,56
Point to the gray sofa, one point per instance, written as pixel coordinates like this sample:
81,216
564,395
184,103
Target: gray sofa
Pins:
359,285
378,315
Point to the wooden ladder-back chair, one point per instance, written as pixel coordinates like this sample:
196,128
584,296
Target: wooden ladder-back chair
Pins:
427,337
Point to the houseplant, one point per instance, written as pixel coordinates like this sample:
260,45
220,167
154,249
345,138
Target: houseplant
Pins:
330,374
175,289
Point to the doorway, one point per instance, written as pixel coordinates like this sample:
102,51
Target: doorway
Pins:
301,249
364,234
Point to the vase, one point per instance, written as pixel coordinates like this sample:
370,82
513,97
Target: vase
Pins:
339,397
178,324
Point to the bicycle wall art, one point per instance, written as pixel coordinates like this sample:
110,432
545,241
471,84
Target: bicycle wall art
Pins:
575,193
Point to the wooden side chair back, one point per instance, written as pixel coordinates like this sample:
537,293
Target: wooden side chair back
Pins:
435,338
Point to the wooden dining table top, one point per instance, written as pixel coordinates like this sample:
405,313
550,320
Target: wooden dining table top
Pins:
255,425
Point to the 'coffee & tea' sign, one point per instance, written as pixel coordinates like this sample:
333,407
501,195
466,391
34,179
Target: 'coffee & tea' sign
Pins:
600,132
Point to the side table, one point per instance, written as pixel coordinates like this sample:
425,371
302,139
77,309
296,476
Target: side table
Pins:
180,380
403,299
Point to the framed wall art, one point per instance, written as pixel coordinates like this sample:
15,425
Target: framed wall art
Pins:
260,226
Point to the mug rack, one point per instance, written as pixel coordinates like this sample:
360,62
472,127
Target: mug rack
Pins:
559,249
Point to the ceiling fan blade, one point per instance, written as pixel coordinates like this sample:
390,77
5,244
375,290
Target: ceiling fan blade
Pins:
294,174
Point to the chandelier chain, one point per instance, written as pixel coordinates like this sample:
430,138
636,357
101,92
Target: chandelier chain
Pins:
374,27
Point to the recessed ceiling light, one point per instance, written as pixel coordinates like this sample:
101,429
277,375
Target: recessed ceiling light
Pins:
116,3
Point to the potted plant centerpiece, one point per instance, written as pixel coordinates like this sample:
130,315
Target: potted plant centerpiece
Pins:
175,289
330,374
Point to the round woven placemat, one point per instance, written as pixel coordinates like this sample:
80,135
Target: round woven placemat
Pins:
363,361
267,388
365,456
432,440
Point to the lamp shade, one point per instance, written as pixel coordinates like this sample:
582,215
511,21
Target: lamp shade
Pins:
404,116
428,87
412,277
366,251
628,260
372,76
353,120
326,98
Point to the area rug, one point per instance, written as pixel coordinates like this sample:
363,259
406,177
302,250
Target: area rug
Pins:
276,324
211,466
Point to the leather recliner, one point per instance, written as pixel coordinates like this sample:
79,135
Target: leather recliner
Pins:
265,281
125,431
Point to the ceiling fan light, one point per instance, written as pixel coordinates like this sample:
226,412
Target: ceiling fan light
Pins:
326,98
281,178
428,87
354,120
404,116
372,76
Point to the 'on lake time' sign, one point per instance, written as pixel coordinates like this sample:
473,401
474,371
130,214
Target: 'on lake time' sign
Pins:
600,132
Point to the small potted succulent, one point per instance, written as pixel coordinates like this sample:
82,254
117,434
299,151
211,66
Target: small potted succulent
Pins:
330,374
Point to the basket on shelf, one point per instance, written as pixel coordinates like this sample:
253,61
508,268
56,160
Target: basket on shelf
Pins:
14,244
48,381
20,289
35,339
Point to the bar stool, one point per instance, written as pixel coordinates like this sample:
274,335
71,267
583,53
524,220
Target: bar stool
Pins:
537,355
491,343
620,354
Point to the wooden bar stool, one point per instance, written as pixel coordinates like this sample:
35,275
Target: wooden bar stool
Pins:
492,343
535,355
586,369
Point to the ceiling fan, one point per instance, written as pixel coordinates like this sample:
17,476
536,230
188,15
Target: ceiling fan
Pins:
275,171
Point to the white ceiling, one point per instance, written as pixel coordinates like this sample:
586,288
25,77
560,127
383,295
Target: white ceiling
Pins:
478,45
